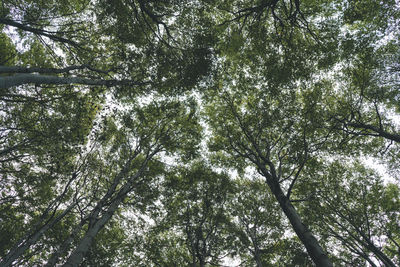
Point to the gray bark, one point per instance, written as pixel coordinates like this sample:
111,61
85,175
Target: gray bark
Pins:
256,252
93,216
352,245
64,247
377,252
316,252
97,223
257,257
85,243
19,69
364,240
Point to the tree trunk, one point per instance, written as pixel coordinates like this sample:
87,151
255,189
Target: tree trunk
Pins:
366,242
351,246
257,258
315,251
63,247
202,262
85,243
97,224
378,253
32,239
256,252
20,69
95,212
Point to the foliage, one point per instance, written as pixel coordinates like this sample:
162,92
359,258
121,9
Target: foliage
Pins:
199,133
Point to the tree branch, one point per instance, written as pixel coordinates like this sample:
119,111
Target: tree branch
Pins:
20,79
19,69
37,31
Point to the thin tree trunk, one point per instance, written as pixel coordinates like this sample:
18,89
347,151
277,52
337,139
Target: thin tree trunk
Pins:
63,247
365,241
378,253
85,243
257,258
256,252
201,262
16,253
94,214
97,224
315,251
33,236
354,246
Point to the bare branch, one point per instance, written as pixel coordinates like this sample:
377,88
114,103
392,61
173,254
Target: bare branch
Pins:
37,31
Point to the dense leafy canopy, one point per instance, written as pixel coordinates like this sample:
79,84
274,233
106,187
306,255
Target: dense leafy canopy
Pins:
199,133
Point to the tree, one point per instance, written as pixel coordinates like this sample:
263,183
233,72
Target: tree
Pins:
195,200
351,199
112,114
258,222
279,154
152,130
20,79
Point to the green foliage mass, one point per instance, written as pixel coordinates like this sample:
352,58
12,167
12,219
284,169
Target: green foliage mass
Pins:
199,133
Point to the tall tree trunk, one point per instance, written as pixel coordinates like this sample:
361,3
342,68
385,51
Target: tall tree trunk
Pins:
352,245
97,223
365,241
315,251
20,69
85,243
95,212
257,258
256,251
63,247
202,262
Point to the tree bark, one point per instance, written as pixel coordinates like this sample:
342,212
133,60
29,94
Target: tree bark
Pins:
257,257
85,243
97,223
365,241
316,252
378,253
20,69
256,251
63,247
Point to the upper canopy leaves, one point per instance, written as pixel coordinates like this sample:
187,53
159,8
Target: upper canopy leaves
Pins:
205,118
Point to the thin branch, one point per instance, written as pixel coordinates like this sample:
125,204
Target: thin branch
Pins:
378,131
20,79
37,31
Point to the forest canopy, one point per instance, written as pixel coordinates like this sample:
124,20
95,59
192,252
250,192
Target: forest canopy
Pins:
199,133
